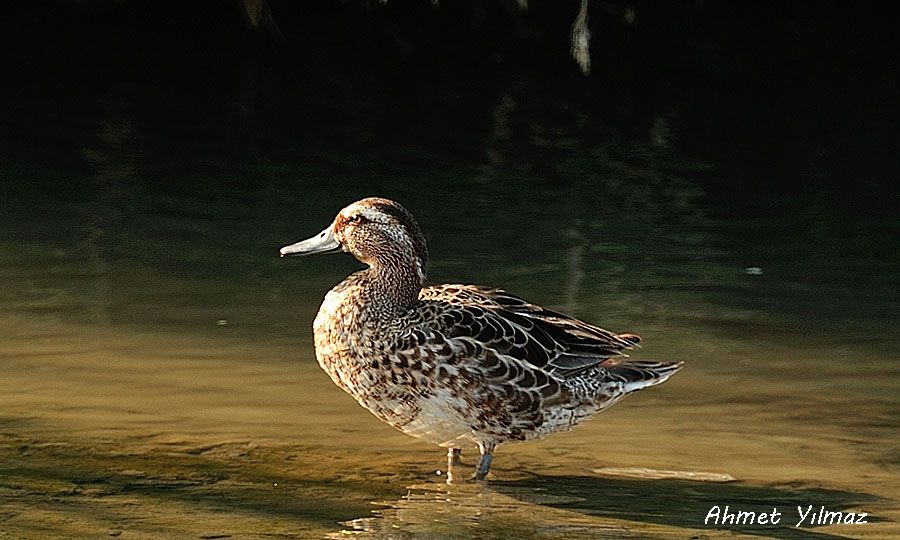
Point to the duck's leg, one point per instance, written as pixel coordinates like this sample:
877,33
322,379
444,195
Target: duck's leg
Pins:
453,462
484,463
453,457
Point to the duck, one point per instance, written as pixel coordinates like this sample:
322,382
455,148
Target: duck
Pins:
457,365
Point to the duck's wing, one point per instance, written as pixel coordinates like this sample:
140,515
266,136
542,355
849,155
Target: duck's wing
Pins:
545,339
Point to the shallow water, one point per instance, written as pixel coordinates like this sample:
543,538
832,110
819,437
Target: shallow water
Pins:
157,377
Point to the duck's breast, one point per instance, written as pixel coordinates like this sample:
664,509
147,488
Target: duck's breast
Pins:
337,334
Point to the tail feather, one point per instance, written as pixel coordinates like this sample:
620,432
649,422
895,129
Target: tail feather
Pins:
637,374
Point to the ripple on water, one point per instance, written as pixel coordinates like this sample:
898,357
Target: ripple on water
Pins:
478,511
656,474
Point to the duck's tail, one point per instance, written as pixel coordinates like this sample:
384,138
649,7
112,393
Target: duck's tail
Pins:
637,375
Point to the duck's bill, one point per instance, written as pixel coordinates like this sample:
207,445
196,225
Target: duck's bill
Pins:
323,242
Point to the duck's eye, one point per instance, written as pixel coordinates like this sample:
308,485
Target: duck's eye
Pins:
356,219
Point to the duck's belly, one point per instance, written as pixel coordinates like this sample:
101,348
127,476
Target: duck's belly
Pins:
438,419
407,399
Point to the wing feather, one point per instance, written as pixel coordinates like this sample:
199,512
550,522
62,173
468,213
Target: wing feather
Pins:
556,343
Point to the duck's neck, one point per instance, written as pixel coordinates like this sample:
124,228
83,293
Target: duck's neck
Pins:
395,283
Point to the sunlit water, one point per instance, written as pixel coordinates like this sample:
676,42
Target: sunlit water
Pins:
157,376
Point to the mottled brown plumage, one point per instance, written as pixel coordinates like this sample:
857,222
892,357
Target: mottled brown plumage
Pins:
457,364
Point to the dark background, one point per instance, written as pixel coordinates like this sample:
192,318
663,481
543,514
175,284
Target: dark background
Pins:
777,96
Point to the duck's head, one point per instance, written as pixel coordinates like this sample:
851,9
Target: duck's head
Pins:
378,232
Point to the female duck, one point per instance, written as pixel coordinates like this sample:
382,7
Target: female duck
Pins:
456,364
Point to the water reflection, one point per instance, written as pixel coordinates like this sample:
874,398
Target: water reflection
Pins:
114,184
432,511
604,224
590,507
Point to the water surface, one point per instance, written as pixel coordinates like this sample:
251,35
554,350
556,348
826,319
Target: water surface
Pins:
157,376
